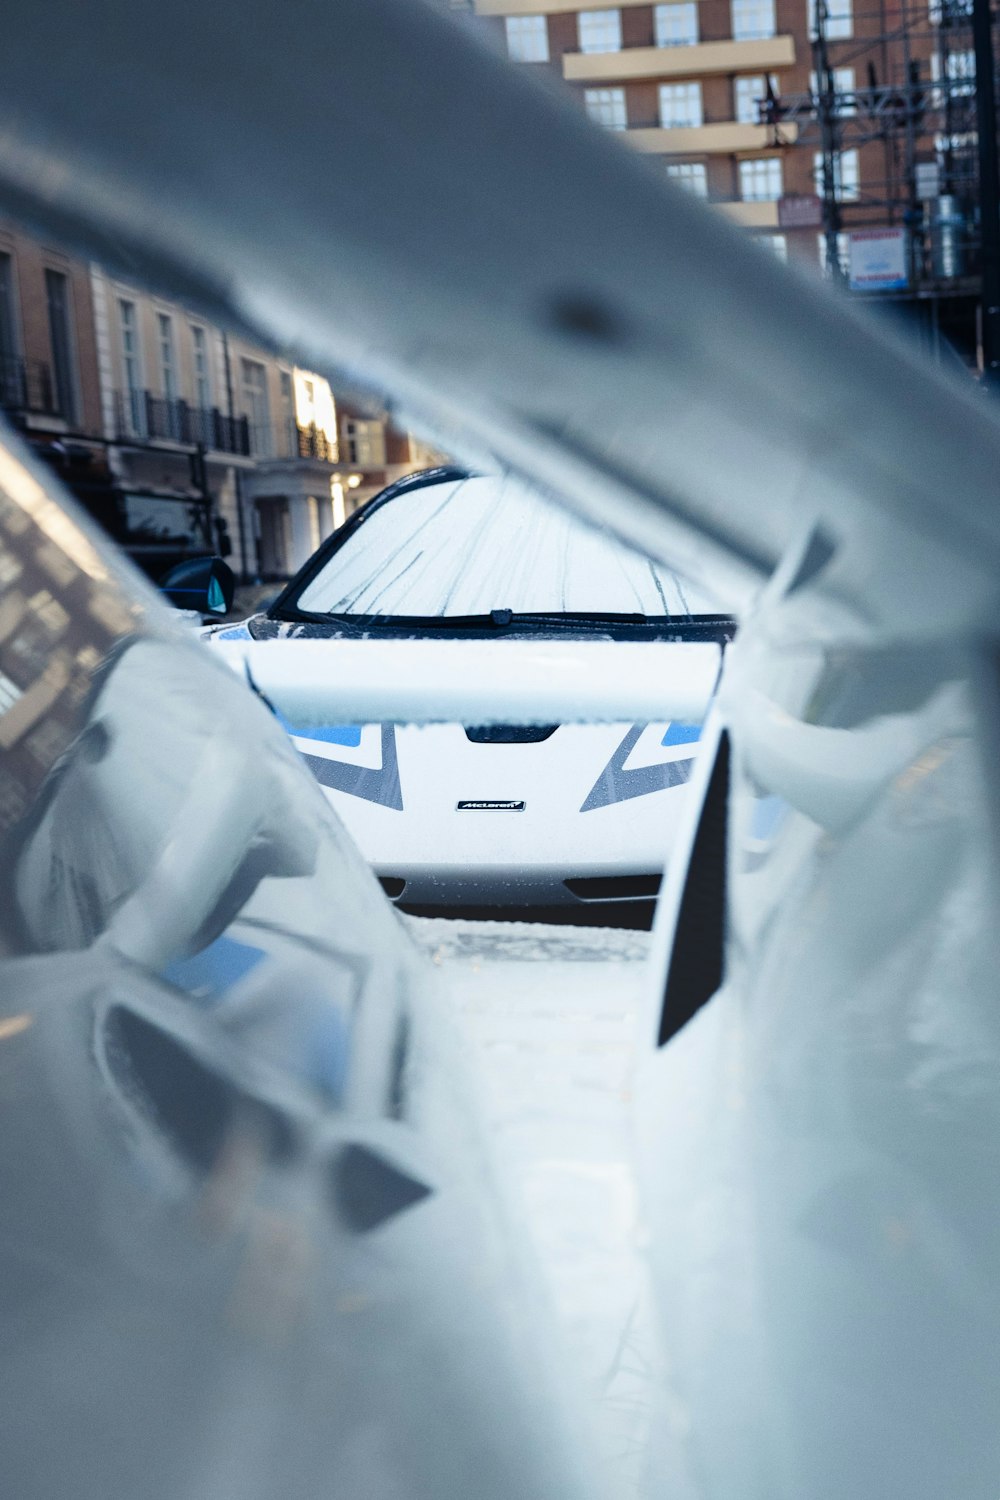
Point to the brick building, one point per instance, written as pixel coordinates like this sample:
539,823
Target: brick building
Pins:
805,127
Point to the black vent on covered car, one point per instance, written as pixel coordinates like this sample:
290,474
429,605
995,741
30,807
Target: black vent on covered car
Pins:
697,959
614,887
509,734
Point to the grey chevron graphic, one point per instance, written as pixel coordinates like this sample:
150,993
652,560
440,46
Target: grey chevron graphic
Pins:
615,784
374,783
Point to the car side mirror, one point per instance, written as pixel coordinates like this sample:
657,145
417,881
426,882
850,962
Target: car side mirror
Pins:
203,584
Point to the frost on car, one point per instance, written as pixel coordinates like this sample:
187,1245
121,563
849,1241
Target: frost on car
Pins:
492,816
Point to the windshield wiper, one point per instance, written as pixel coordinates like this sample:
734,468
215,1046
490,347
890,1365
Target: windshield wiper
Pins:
495,619
502,621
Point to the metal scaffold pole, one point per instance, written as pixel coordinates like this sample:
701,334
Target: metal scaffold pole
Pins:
827,115
989,188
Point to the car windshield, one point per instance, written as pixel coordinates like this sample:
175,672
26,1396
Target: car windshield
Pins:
467,546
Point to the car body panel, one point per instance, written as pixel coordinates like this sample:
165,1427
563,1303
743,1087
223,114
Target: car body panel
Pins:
247,1202
530,833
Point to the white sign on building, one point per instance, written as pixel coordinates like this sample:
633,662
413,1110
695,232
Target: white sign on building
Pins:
877,260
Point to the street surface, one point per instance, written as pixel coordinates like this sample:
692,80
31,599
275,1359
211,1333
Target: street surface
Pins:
551,1012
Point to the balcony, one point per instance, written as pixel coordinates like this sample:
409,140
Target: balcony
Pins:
706,140
145,418
679,62
284,442
26,385
759,215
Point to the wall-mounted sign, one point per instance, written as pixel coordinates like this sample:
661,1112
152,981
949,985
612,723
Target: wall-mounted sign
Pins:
799,211
928,179
877,260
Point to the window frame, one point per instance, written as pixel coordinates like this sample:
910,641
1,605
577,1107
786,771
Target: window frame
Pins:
690,87
852,192
661,11
608,16
839,26
771,163
67,389
519,37
747,78
201,377
591,96
166,349
748,31
685,173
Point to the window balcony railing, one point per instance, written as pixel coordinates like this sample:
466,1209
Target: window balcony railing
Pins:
27,385
143,417
287,440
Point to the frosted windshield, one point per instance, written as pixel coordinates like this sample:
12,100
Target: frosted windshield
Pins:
467,546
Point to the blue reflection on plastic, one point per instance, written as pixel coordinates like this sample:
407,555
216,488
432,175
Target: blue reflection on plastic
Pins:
215,969
333,734
768,815
681,734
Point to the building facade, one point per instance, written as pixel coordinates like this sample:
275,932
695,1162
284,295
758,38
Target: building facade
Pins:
837,133
48,353
178,437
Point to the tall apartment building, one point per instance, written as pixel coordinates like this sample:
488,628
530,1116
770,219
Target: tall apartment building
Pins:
821,126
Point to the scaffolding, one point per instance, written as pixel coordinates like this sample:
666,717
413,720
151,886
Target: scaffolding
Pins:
920,103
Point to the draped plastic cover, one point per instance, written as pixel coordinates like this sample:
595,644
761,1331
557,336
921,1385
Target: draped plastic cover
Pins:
468,546
821,1141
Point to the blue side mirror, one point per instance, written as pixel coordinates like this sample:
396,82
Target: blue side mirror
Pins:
203,584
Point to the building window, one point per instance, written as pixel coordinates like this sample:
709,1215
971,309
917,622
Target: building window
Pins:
839,19
846,176
8,328
680,106
950,10
165,338
691,175
960,70
676,25
753,20
776,243
135,410
256,406
289,425
607,107
748,96
761,180
527,38
844,98
202,378
365,443
843,253
600,30
61,340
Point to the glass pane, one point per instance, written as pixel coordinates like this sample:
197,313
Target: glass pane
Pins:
8,333
472,545
57,298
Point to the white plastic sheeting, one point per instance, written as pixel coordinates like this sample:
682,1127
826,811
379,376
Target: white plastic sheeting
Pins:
480,682
552,1012
466,546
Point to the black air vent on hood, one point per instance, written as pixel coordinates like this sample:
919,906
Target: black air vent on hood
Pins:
509,734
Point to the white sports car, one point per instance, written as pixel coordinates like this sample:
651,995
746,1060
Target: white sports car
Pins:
551,819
